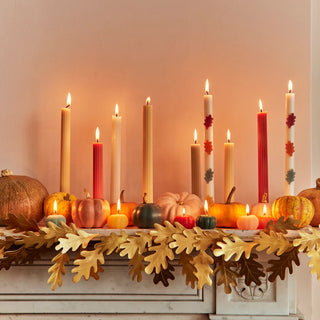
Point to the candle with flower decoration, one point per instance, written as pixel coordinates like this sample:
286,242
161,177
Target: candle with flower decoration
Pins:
118,220
195,166
65,147
247,222
186,220
97,167
147,165
115,157
208,144
290,146
55,218
228,167
262,154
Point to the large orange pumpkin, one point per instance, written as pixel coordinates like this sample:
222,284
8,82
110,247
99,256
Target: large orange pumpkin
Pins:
21,195
299,207
227,213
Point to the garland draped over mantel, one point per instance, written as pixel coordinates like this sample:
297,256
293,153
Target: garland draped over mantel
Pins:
202,253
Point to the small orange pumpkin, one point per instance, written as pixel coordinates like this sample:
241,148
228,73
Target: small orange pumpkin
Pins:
257,209
90,213
227,213
126,208
299,207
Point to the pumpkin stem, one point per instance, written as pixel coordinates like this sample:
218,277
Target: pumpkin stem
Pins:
122,196
230,195
264,198
6,173
67,197
87,193
318,183
144,199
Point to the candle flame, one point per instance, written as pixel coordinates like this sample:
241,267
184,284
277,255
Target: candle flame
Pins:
148,100
118,206
183,211
228,135
290,86
206,207
260,105
247,209
97,134
207,86
195,136
69,99
55,207
264,209
116,111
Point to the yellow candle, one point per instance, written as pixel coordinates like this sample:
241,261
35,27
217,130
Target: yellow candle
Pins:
65,147
115,157
228,167
195,166
147,165
118,220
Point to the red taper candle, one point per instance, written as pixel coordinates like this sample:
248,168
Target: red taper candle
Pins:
97,167
262,154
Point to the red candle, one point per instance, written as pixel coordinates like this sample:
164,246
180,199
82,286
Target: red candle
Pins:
97,167
262,154
264,219
185,219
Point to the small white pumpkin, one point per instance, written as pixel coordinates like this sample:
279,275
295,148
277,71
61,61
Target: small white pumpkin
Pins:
172,205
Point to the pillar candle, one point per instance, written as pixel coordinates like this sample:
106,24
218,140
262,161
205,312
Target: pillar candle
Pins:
147,165
208,144
262,155
289,146
65,147
115,157
195,166
97,167
228,167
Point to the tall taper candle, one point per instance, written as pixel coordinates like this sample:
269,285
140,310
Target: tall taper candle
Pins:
147,165
290,146
228,167
262,154
115,157
195,166
208,144
97,167
65,147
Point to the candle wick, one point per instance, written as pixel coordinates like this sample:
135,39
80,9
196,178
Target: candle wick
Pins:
228,140
207,92
290,91
195,141
97,140
68,106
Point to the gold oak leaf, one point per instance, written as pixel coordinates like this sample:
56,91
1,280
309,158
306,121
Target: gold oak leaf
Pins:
206,239
308,241
158,259
136,244
273,242
164,233
225,274
111,243
91,261
33,239
54,232
282,225
95,275
251,269
164,275
188,269
137,266
74,241
19,223
183,241
314,262
7,242
236,247
203,270
58,270
278,267
2,252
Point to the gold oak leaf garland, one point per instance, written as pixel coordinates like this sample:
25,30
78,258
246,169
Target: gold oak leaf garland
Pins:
201,254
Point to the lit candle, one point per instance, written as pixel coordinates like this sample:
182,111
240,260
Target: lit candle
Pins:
264,219
247,222
55,218
65,147
208,144
195,166
118,220
290,146
228,167
262,155
115,157
97,167
147,165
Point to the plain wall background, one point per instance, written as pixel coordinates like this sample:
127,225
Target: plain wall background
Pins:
108,52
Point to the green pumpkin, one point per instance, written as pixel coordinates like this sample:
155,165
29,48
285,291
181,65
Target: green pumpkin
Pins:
206,221
145,215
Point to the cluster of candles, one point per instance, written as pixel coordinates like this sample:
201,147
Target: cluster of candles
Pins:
198,177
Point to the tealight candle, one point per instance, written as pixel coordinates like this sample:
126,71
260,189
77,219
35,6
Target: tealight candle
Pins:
248,222
55,218
264,219
205,221
185,219
118,220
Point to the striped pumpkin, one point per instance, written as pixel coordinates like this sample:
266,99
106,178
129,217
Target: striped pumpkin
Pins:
299,207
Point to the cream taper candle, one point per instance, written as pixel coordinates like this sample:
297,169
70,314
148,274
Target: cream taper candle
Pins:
228,167
115,157
65,147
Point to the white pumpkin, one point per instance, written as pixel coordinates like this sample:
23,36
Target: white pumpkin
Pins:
172,205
